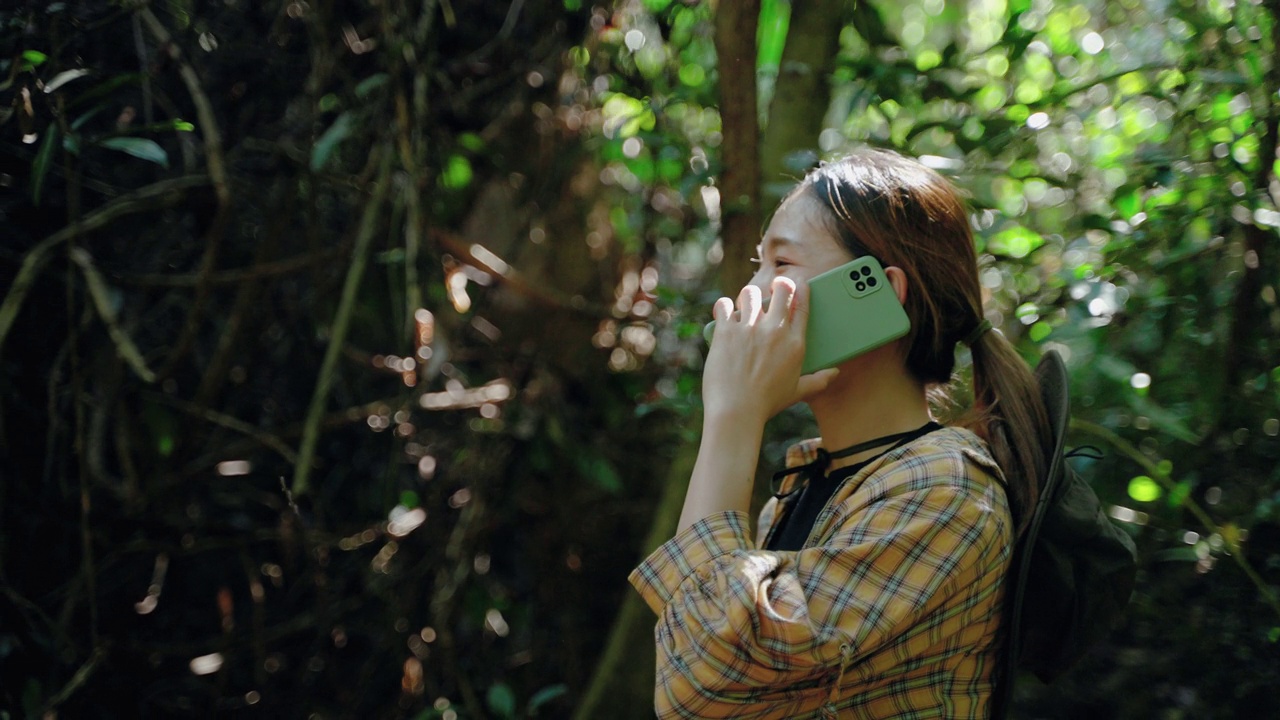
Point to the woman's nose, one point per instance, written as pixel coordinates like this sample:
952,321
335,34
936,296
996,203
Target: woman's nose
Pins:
763,279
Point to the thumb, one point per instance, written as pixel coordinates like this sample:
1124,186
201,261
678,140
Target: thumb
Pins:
814,383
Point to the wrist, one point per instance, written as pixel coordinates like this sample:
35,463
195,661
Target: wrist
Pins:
725,469
739,418
734,440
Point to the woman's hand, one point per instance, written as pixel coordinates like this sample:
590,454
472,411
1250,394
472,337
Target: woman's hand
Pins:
752,372
753,368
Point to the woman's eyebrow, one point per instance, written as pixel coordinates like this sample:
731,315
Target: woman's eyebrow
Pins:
774,243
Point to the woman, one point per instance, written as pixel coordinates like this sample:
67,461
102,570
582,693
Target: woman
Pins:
874,586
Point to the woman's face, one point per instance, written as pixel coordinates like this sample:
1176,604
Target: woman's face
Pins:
798,244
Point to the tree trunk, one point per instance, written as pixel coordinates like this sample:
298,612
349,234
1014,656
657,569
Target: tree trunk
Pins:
736,24
624,678
801,96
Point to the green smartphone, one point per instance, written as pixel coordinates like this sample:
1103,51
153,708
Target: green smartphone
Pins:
852,309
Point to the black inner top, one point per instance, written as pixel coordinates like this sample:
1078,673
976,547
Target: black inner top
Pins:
798,510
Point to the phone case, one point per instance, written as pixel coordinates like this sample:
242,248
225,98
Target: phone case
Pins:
852,309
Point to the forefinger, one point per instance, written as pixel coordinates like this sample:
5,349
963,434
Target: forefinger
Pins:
782,294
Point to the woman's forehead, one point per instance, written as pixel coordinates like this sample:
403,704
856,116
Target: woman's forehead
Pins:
801,222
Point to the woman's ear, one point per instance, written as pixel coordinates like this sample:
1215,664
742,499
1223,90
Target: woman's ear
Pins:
898,279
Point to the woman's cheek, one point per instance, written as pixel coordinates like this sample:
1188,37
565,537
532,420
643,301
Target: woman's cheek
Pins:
762,278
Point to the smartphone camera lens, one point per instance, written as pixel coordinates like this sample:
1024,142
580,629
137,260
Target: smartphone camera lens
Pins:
866,271
871,282
853,274
861,286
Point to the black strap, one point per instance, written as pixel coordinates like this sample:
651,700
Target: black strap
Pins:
798,511
818,466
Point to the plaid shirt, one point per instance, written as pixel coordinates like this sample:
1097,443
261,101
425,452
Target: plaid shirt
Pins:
892,608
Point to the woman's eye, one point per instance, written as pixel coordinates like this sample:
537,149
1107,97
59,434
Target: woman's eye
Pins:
774,263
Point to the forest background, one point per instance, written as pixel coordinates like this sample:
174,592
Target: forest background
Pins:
350,350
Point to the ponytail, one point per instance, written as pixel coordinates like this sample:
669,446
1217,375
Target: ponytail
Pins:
1009,415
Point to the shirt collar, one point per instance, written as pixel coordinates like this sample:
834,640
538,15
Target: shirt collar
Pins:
801,453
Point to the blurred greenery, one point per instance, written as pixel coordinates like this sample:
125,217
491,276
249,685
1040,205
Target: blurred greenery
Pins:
346,348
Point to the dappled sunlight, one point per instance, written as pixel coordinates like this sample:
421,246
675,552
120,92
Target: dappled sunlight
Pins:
456,397
229,468
351,350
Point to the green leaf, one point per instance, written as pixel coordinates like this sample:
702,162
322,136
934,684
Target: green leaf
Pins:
1128,201
371,83
1165,198
771,33
104,88
501,700
40,167
457,173
65,77
1017,242
80,121
1144,489
599,471
544,696
1180,493
35,57
1186,553
329,141
626,116
1165,419
693,75
141,148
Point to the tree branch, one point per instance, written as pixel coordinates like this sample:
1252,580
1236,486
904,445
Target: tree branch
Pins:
77,680
259,271
338,332
218,176
222,420
98,292
162,194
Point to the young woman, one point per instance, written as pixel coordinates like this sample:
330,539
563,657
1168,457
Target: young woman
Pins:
873,587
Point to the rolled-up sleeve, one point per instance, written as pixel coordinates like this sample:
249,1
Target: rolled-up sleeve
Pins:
739,625
659,577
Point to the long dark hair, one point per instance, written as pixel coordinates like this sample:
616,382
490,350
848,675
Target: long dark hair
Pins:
904,214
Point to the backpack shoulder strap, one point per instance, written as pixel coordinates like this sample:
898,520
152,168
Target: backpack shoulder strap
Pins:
1072,570
1052,376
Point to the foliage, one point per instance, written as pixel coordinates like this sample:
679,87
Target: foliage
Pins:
1121,162
343,345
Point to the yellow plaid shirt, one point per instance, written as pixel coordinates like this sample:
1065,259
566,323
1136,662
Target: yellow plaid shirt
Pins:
891,609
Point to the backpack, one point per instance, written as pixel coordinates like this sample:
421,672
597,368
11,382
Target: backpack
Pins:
1072,571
